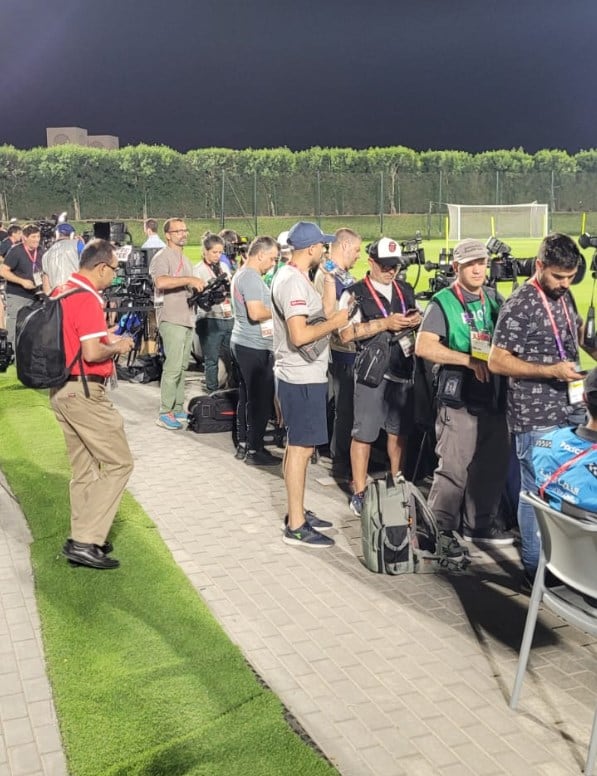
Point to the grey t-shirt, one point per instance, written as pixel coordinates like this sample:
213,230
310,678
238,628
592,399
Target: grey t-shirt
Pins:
248,286
175,308
294,294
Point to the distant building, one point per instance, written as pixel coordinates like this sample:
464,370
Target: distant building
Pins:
78,136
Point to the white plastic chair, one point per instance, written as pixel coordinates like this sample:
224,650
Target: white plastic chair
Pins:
568,550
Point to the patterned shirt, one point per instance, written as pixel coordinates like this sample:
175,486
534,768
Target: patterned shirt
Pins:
524,329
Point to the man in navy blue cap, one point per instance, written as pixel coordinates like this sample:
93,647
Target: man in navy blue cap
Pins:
301,334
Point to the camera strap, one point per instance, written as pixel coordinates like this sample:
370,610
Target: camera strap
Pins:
566,465
556,333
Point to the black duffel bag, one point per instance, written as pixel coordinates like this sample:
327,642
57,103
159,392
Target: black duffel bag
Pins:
214,412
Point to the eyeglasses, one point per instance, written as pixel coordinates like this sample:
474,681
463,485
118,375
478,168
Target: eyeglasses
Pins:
112,267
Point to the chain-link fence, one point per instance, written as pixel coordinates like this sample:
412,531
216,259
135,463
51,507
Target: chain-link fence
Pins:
222,198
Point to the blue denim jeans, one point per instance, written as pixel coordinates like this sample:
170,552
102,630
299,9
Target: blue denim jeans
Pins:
529,531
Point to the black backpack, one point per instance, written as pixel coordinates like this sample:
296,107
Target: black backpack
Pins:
39,345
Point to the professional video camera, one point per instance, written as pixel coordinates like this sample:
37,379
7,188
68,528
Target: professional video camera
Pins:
6,351
132,286
47,229
443,271
588,241
503,266
412,253
216,290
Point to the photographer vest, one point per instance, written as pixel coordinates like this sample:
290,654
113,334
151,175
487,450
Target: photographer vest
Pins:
400,366
458,331
458,386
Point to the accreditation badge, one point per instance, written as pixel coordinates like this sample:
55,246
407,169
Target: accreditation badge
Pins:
480,345
267,328
227,308
407,343
576,391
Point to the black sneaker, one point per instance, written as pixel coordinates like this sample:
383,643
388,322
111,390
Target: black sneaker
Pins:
92,555
261,458
307,537
106,547
494,534
312,520
241,452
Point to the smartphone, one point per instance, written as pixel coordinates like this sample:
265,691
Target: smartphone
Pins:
412,311
329,265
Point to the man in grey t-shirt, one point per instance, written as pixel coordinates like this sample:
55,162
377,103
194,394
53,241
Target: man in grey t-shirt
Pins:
172,275
302,380
252,345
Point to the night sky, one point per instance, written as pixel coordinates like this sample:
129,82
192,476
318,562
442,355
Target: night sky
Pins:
467,74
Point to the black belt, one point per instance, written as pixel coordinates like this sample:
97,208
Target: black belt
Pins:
89,378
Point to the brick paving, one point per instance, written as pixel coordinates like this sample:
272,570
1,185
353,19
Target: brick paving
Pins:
408,675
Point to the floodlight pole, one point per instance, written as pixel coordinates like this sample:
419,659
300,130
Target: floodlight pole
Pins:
381,196
222,211
255,202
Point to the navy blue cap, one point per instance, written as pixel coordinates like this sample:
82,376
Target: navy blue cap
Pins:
65,229
304,234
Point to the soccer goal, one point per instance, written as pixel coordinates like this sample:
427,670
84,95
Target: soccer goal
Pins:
482,221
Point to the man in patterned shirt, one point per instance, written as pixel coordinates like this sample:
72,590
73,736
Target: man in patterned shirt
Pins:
536,344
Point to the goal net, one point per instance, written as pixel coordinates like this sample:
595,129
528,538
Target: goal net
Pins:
482,221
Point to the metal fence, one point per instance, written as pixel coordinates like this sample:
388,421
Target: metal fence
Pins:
316,195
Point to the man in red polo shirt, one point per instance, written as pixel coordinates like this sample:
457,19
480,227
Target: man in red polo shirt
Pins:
100,458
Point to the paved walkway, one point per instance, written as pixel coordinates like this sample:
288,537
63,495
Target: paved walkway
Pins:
391,676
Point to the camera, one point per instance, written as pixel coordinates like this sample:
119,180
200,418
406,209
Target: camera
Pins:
504,267
216,290
6,351
47,229
132,287
412,253
444,273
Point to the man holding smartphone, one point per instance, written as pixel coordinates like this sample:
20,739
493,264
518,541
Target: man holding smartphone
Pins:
386,309
473,445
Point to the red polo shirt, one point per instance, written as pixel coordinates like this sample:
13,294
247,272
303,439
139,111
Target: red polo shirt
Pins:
83,319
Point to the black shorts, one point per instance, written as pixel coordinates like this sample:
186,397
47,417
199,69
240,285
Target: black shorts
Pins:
303,408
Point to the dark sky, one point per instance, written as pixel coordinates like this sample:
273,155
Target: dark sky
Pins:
462,74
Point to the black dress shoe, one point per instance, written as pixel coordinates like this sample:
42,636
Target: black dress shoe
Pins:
261,458
91,555
241,452
106,547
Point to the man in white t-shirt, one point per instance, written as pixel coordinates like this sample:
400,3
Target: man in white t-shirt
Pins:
301,388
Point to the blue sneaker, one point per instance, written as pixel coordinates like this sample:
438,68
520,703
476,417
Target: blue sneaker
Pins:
167,420
356,503
312,520
307,537
181,416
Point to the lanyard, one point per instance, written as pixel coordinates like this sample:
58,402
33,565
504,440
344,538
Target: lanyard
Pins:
563,468
556,333
32,255
377,300
470,318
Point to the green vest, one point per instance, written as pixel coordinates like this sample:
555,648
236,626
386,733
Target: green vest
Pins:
458,331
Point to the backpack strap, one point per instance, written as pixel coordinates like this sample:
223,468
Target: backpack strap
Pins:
79,356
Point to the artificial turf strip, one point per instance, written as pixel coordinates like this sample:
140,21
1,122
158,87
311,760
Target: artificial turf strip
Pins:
144,679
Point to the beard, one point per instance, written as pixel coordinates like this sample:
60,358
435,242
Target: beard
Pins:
555,293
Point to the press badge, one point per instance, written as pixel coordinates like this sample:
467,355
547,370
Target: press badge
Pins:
480,345
37,279
227,308
575,391
407,343
267,328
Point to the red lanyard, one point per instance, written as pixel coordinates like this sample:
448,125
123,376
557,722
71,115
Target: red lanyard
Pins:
556,333
563,468
32,255
377,300
470,318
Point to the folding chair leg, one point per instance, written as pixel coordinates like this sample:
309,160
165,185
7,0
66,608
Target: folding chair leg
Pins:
590,765
529,631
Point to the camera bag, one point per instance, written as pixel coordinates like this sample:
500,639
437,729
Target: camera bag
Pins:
373,360
399,532
214,412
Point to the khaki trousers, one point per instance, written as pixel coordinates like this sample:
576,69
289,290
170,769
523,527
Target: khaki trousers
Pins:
99,454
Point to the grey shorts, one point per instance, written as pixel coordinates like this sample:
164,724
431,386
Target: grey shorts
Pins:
390,406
